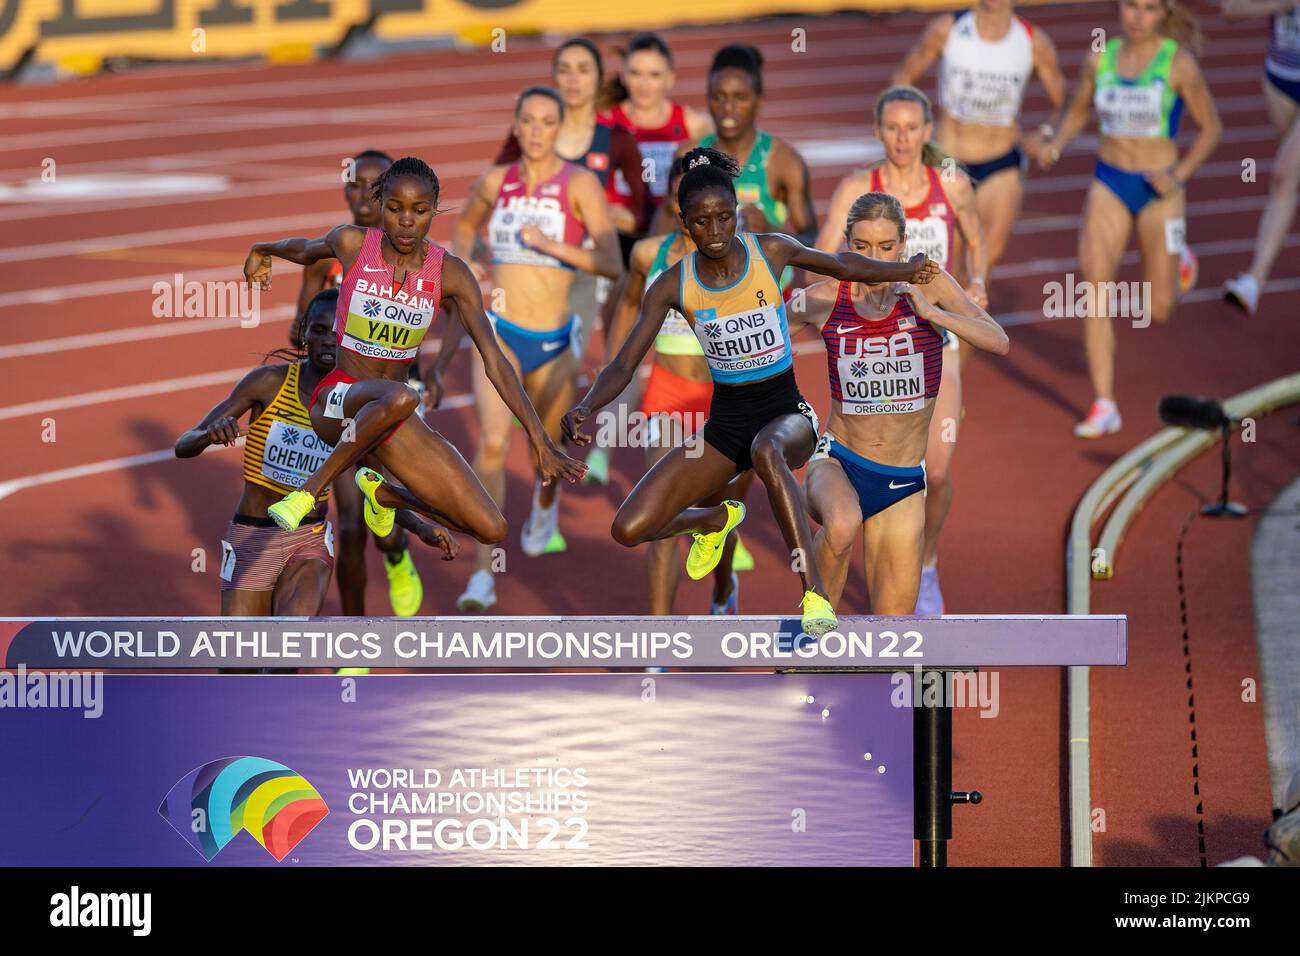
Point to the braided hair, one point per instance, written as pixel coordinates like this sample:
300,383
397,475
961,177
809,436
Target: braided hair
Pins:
706,168
407,166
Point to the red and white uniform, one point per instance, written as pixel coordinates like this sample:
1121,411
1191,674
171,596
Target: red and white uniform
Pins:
657,144
888,366
931,223
547,207
376,317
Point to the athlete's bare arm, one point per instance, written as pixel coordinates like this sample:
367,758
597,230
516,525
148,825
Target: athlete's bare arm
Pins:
791,174
220,426
962,195
1075,117
460,286
945,304
927,50
341,243
782,250
614,377
587,197
1189,83
812,306
831,236
633,288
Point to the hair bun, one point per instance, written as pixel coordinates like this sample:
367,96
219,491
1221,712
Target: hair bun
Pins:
700,160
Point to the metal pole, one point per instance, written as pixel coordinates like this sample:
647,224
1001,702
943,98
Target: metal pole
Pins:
932,770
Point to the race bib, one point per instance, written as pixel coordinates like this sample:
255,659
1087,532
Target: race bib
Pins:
1132,111
1175,236
511,215
387,326
292,453
985,96
656,162
675,324
745,342
329,539
227,561
882,385
1286,29
930,236
334,400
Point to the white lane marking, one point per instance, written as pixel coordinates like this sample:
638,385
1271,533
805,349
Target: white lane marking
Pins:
7,488
80,189
85,290
154,237
124,392
138,333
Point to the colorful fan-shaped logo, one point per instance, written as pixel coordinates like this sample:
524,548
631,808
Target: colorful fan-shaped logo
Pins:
212,803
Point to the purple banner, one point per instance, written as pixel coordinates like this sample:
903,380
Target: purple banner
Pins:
537,769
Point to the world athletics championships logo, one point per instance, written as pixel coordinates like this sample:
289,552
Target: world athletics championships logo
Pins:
211,804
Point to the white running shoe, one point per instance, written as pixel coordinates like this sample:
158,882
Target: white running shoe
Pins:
929,599
481,593
541,525
1243,292
1103,419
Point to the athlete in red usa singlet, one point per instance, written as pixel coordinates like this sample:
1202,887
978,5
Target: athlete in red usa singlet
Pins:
645,110
941,222
394,281
885,358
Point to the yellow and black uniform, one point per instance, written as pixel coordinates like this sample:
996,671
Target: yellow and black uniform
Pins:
280,451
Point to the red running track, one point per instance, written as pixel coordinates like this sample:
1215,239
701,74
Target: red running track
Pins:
76,281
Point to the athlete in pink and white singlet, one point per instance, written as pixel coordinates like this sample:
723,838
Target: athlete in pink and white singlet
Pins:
394,280
544,220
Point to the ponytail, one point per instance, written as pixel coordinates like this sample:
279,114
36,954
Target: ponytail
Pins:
1181,25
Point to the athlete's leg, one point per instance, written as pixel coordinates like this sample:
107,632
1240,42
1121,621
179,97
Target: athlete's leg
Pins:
351,561
997,201
1159,264
301,589
1283,183
893,540
439,483
551,389
371,409
663,558
833,504
663,503
1102,238
494,424
784,444
940,446
237,603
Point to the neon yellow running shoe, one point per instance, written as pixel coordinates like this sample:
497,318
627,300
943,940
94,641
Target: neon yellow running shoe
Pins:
405,592
818,615
556,543
597,467
741,559
706,552
352,671
289,511
378,518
